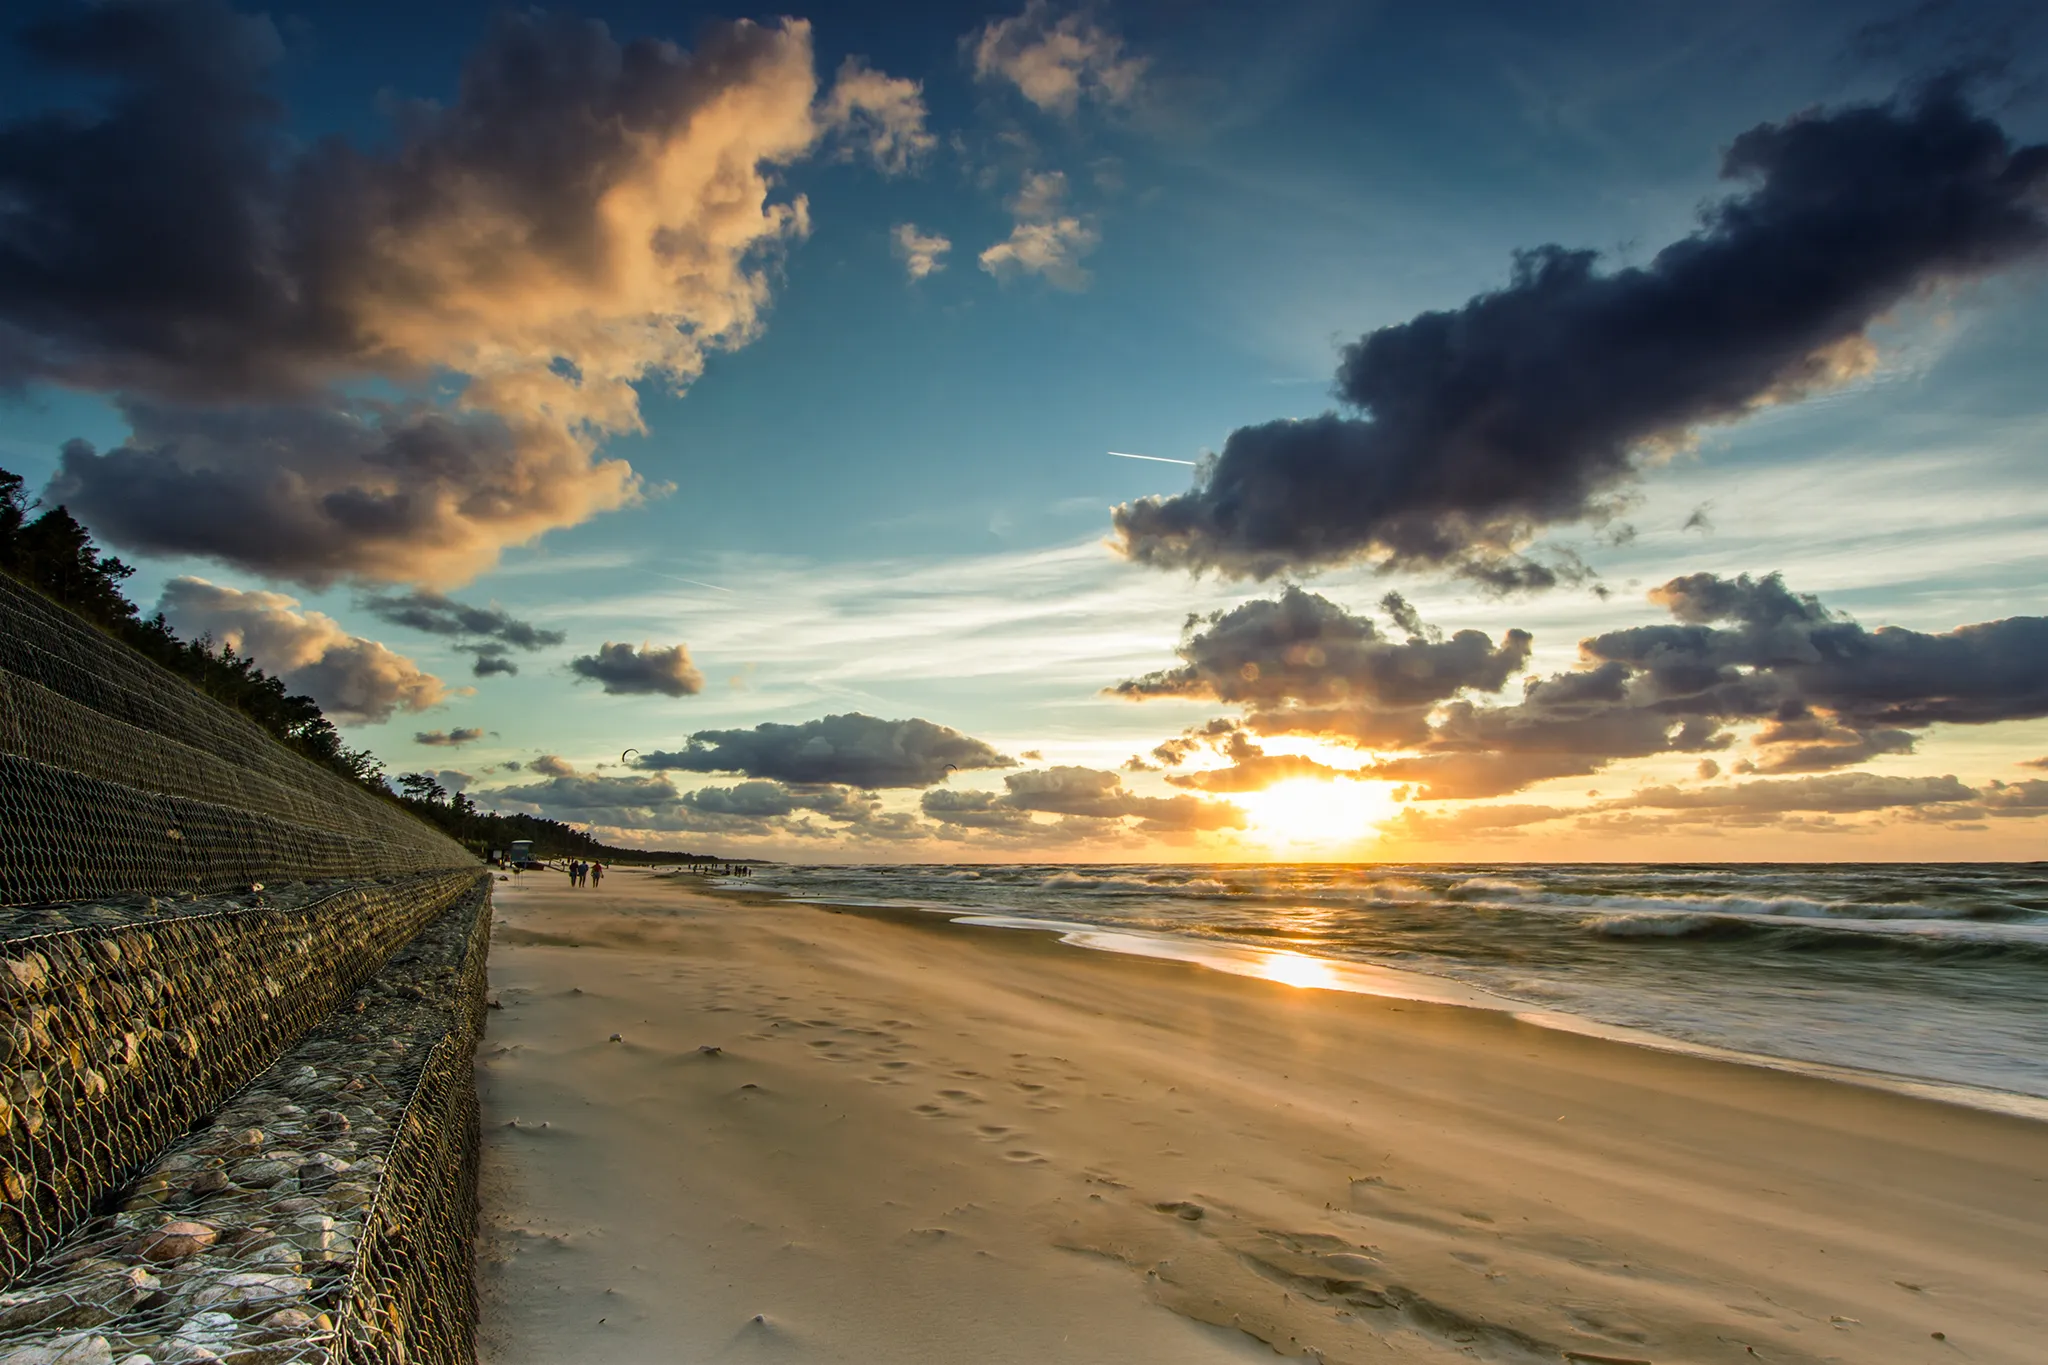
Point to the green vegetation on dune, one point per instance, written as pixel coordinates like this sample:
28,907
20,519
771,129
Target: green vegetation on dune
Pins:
45,549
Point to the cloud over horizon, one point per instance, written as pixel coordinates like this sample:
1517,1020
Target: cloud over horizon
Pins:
1744,661
586,215
352,679
490,631
449,738
1537,405
852,750
1300,660
624,671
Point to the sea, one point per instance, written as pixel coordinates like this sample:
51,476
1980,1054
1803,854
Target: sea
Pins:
1929,975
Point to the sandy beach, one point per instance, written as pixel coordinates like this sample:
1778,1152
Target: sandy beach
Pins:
845,1137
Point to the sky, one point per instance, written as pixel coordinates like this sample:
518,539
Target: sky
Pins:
1605,431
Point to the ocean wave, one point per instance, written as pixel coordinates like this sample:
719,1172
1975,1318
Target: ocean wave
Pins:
1125,882
1782,907
1473,887
1936,943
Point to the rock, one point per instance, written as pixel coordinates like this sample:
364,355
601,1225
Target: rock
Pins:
74,1350
200,1339
275,1253
92,1294
250,1137
251,1289
175,1241
259,1174
291,1320
210,1182
350,1194
321,1171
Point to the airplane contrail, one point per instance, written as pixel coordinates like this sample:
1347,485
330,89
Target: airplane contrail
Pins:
678,578
1156,459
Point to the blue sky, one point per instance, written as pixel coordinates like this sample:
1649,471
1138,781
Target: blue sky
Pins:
891,497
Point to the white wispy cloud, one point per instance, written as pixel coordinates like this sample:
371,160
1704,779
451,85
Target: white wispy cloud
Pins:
1057,63
922,253
1045,239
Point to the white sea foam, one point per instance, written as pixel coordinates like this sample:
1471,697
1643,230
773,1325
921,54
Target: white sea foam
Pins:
1929,972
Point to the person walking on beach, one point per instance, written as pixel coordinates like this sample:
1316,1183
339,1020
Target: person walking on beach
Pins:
597,874
576,873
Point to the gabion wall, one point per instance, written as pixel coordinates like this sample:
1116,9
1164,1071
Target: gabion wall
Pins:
324,1215
118,776
118,1040
182,899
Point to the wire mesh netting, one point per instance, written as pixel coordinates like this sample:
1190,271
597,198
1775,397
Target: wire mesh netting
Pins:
181,899
322,1215
116,775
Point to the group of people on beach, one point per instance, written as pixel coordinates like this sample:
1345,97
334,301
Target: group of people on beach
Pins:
581,873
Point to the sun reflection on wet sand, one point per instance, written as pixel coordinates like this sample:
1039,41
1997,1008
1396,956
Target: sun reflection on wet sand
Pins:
1295,969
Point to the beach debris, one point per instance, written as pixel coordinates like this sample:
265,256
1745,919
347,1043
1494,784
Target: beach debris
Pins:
710,1049
1182,1209
618,1038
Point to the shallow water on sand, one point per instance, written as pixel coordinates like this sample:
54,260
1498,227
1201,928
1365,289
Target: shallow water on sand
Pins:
1933,972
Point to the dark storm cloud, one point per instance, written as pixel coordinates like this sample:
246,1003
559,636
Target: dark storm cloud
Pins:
582,215
2028,798
1830,691
1301,659
975,810
321,491
490,660
626,671
851,750
1532,406
1099,794
761,800
578,794
1744,660
449,738
490,630
753,809
1835,794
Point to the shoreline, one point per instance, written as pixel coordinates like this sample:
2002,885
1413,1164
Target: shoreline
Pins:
1310,972
917,1143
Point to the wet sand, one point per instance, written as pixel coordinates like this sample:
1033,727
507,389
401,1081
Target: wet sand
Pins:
923,1142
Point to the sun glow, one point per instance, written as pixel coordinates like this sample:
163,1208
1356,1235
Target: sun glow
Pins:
1299,970
1312,811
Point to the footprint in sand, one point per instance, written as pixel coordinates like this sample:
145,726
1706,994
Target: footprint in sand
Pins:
960,1096
993,1132
897,1066
931,1111
1024,1156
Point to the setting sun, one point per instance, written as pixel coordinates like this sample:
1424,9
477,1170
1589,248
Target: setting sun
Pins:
1311,811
